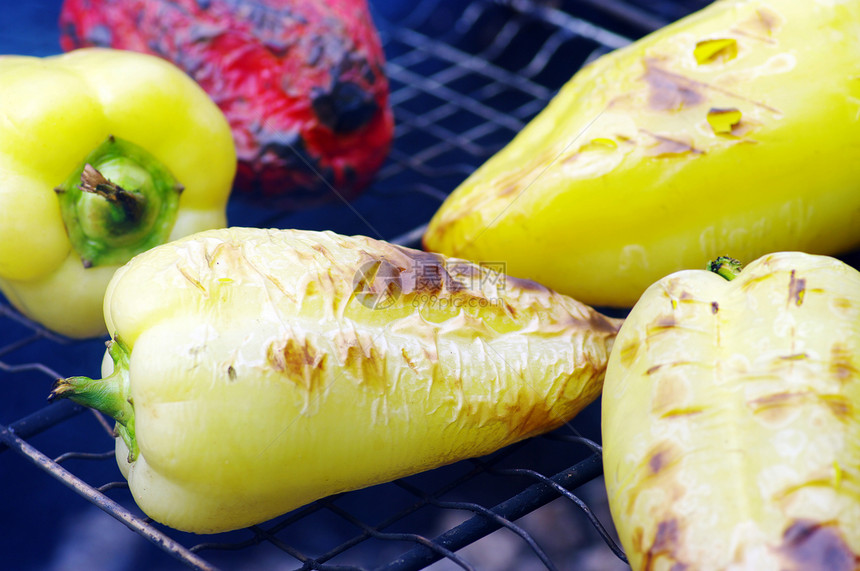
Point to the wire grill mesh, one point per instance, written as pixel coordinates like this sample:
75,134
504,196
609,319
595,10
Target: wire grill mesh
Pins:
465,78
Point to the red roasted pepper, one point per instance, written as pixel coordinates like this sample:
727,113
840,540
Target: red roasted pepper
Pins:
301,83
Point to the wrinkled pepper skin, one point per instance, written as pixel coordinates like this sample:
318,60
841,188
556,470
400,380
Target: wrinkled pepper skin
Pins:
730,411
270,368
302,83
139,121
736,129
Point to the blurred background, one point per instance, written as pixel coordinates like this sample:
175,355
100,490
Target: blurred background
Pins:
465,77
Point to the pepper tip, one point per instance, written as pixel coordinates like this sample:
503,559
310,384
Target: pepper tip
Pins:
726,267
62,388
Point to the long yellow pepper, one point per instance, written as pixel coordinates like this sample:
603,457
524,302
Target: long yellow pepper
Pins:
734,130
253,371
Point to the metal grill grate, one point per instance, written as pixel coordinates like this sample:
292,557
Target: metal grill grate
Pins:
465,77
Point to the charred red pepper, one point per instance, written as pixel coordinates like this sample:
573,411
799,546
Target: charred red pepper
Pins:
301,83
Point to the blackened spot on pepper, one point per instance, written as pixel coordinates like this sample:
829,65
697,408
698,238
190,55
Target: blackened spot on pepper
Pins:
796,289
816,546
715,307
662,457
315,54
345,107
378,284
666,542
662,324
657,461
70,31
430,278
300,361
285,144
667,535
603,324
100,35
430,272
671,146
369,74
279,49
291,149
204,32
265,17
670,91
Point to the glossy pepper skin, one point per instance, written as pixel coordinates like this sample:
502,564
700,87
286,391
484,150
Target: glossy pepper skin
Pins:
161,164
730,408
736,129
270,368
302,83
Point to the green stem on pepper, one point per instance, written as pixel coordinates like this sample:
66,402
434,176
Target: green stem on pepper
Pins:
726,267
109,395
117,203
132,204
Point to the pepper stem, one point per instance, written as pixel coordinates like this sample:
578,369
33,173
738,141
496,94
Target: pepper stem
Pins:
726,267
109,395
118,202
132,204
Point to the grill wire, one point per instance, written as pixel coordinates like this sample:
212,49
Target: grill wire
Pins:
465,78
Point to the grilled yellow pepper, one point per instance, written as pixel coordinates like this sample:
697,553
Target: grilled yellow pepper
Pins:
104,154
253,371
730,419
736,129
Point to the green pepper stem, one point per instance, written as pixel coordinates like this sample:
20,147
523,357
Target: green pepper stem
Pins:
118,202
726,267
108,395
132,204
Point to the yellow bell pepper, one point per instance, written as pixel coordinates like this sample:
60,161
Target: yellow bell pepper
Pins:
160,162
736,130
253,371
730,419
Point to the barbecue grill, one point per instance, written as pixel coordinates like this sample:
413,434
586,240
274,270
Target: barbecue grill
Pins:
465,77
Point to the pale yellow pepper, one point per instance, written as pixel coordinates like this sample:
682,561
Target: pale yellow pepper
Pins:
254,371
730,419
164,163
